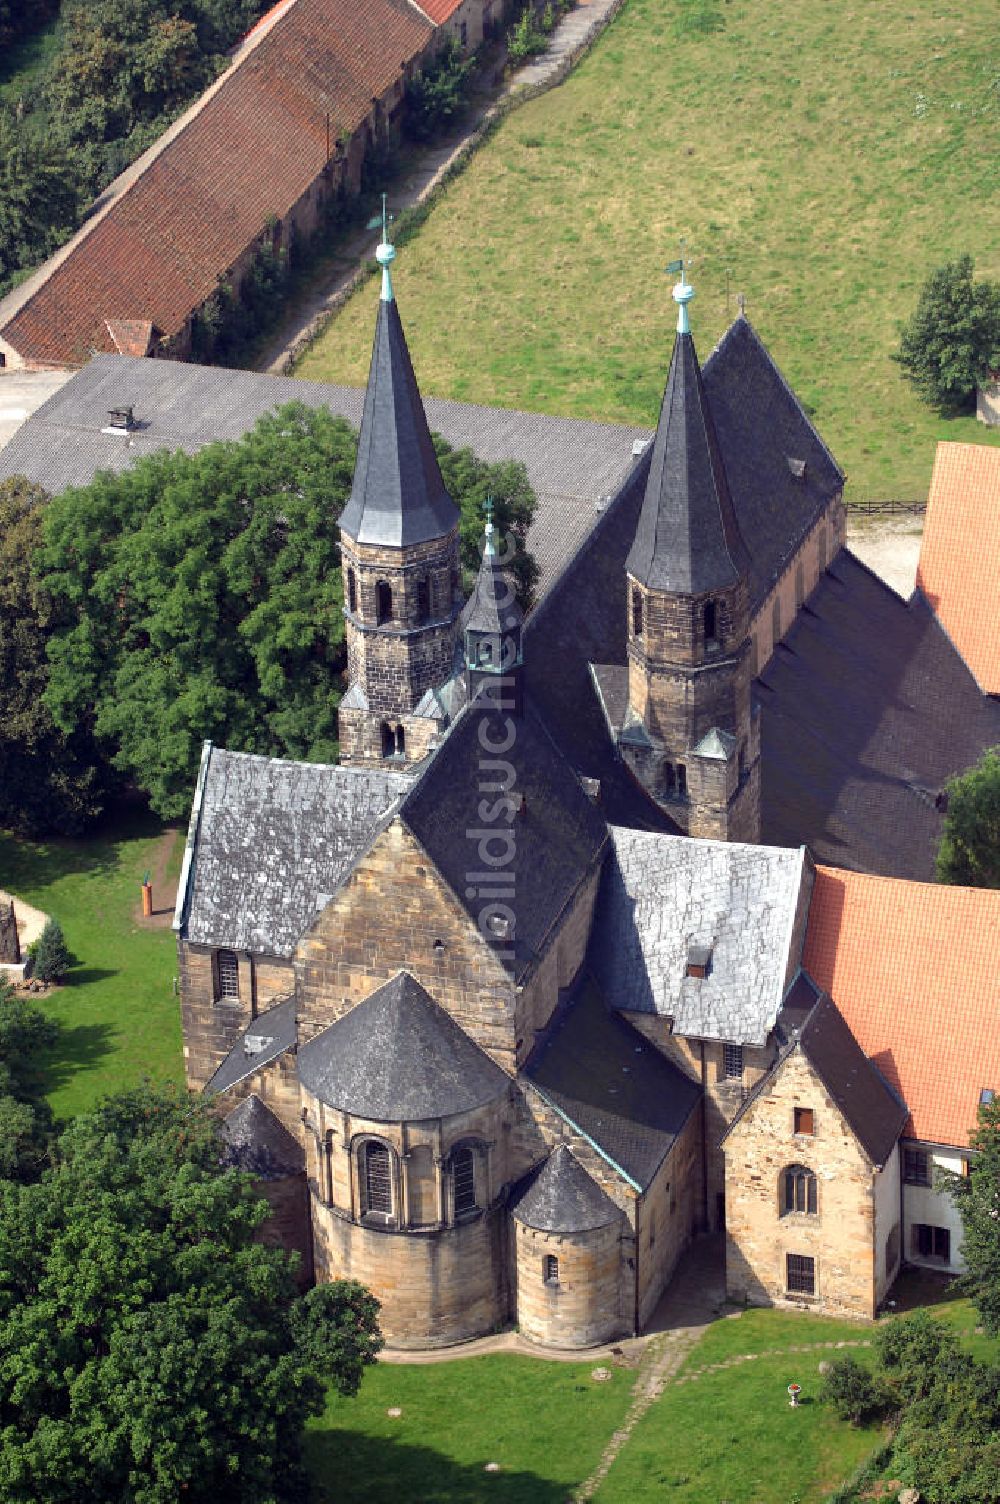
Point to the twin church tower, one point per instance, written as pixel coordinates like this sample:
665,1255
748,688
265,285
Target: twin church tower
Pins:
417,653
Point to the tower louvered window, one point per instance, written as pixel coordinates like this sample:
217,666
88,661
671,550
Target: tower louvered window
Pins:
378,1179
463,1165
228,968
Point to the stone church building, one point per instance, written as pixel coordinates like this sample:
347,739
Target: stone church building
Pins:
507,1006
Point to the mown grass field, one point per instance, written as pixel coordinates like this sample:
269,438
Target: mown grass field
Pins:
119,1019
827,157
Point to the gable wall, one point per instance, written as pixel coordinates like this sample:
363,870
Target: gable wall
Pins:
797,581
840,1237
385,919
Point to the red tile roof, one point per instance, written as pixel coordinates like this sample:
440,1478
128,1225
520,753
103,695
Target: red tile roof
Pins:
913,969
248,149
959,569
440,10
131,336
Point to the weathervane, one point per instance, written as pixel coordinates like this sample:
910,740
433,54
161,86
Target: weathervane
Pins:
488,509
683,292
385,251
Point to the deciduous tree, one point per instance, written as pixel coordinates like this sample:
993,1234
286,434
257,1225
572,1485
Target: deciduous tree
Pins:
969,853
977,1196
952,342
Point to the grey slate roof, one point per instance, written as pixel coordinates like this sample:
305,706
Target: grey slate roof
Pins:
270,841
492,607
398,496
561,1197
571,463
866,710
553,842
612,1085
254,1140
872,1109
687,539
269,1035
660,895
761,425
398,1057
855,1083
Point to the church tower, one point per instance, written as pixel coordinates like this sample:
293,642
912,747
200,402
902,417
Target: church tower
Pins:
400,559
690,736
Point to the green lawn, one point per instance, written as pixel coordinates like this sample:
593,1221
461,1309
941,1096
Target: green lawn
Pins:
826,156
24,65
546,1424
118,1015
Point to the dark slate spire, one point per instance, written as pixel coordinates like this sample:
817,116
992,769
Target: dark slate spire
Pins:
398,497
687,541
492,623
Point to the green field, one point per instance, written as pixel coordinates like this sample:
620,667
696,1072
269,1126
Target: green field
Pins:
119,1019
826,156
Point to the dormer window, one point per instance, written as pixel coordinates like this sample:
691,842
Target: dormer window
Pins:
699,961
986,1096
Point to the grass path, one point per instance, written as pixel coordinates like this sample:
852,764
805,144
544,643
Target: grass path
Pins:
826,157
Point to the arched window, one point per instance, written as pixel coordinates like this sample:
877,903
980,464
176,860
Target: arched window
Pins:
352,591
463,1170
376,1178
388,740
383,602
711,622
550,1269
423,600
228,974
798,1193
636,613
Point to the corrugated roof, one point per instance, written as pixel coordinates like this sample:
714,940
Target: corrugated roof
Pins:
247,150
913,970
959,569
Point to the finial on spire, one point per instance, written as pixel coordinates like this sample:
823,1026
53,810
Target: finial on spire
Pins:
683,293
741,301
385,251
489,551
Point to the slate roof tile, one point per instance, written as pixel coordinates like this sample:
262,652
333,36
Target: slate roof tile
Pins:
561,1197
912,968
662,894
866,710
959,568
398,1057
272,841
256,1141
269,1035
613,1085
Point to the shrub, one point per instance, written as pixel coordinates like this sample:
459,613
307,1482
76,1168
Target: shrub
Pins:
437,95
912,1350
51,956
853,1392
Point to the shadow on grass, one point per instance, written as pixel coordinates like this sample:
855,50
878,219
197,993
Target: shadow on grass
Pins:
35,864
79,976
79,1047
354,1469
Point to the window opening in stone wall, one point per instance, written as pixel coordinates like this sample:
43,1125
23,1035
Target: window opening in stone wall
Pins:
931,1242
669,780
636,613
352,591
800,1190
229,973
804,1121
383,602
378,1179
800,1274
550,1269
916,1167
682,781
732,1062
388,740
710,617
463,1165
400,742
423,600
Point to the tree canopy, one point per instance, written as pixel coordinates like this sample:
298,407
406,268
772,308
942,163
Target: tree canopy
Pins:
977,1196
25,1117
952,342
969,853
49,780
200,596
150,1348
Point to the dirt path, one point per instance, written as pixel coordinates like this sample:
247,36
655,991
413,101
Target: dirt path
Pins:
164,887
